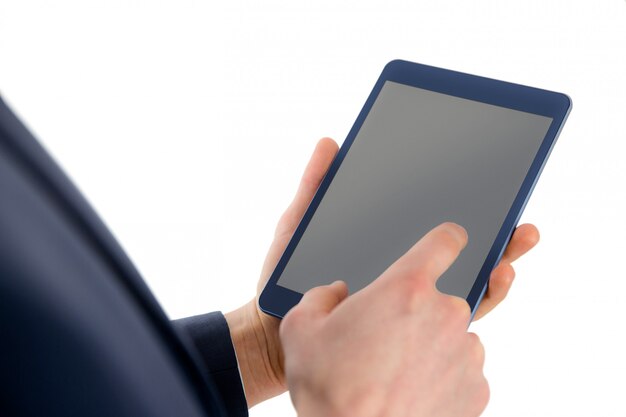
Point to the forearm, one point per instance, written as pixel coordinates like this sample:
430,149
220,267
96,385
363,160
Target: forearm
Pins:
259,356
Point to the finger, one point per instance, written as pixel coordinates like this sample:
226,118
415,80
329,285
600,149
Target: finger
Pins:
322,300
430,257
499,285
318,165
524,239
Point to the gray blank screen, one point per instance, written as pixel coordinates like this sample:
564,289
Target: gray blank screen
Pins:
420,158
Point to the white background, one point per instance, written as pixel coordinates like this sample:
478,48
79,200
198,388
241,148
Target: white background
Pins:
188,124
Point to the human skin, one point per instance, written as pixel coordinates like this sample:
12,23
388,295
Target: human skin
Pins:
398,347
255,334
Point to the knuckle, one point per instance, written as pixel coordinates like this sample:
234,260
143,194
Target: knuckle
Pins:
454,315
482,395
505,270
458,308
477,349
417,280
480,390
511,272
478,398
415,289
431,263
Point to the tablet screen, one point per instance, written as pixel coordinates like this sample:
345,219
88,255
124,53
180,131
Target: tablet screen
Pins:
420,158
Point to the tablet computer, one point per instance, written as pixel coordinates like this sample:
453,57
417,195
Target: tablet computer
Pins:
430,145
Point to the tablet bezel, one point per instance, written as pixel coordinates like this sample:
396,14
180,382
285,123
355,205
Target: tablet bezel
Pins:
277,300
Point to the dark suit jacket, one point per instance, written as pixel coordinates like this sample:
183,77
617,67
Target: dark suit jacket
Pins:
80,333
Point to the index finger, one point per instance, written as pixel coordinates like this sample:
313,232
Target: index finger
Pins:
429,258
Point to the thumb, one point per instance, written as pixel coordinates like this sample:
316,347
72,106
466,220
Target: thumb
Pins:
316,169
320,301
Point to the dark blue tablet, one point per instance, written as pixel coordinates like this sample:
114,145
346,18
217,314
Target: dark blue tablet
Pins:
430,145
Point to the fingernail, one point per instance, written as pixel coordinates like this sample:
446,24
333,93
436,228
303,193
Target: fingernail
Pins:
460,233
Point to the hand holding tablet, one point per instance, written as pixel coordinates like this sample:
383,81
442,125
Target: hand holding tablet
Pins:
397,348
255,334
429,146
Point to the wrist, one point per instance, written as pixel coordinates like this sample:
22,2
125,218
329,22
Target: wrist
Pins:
259,354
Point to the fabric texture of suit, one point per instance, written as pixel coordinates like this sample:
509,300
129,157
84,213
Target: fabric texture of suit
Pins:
80,333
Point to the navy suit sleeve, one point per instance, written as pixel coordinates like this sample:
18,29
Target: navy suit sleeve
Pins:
211,337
